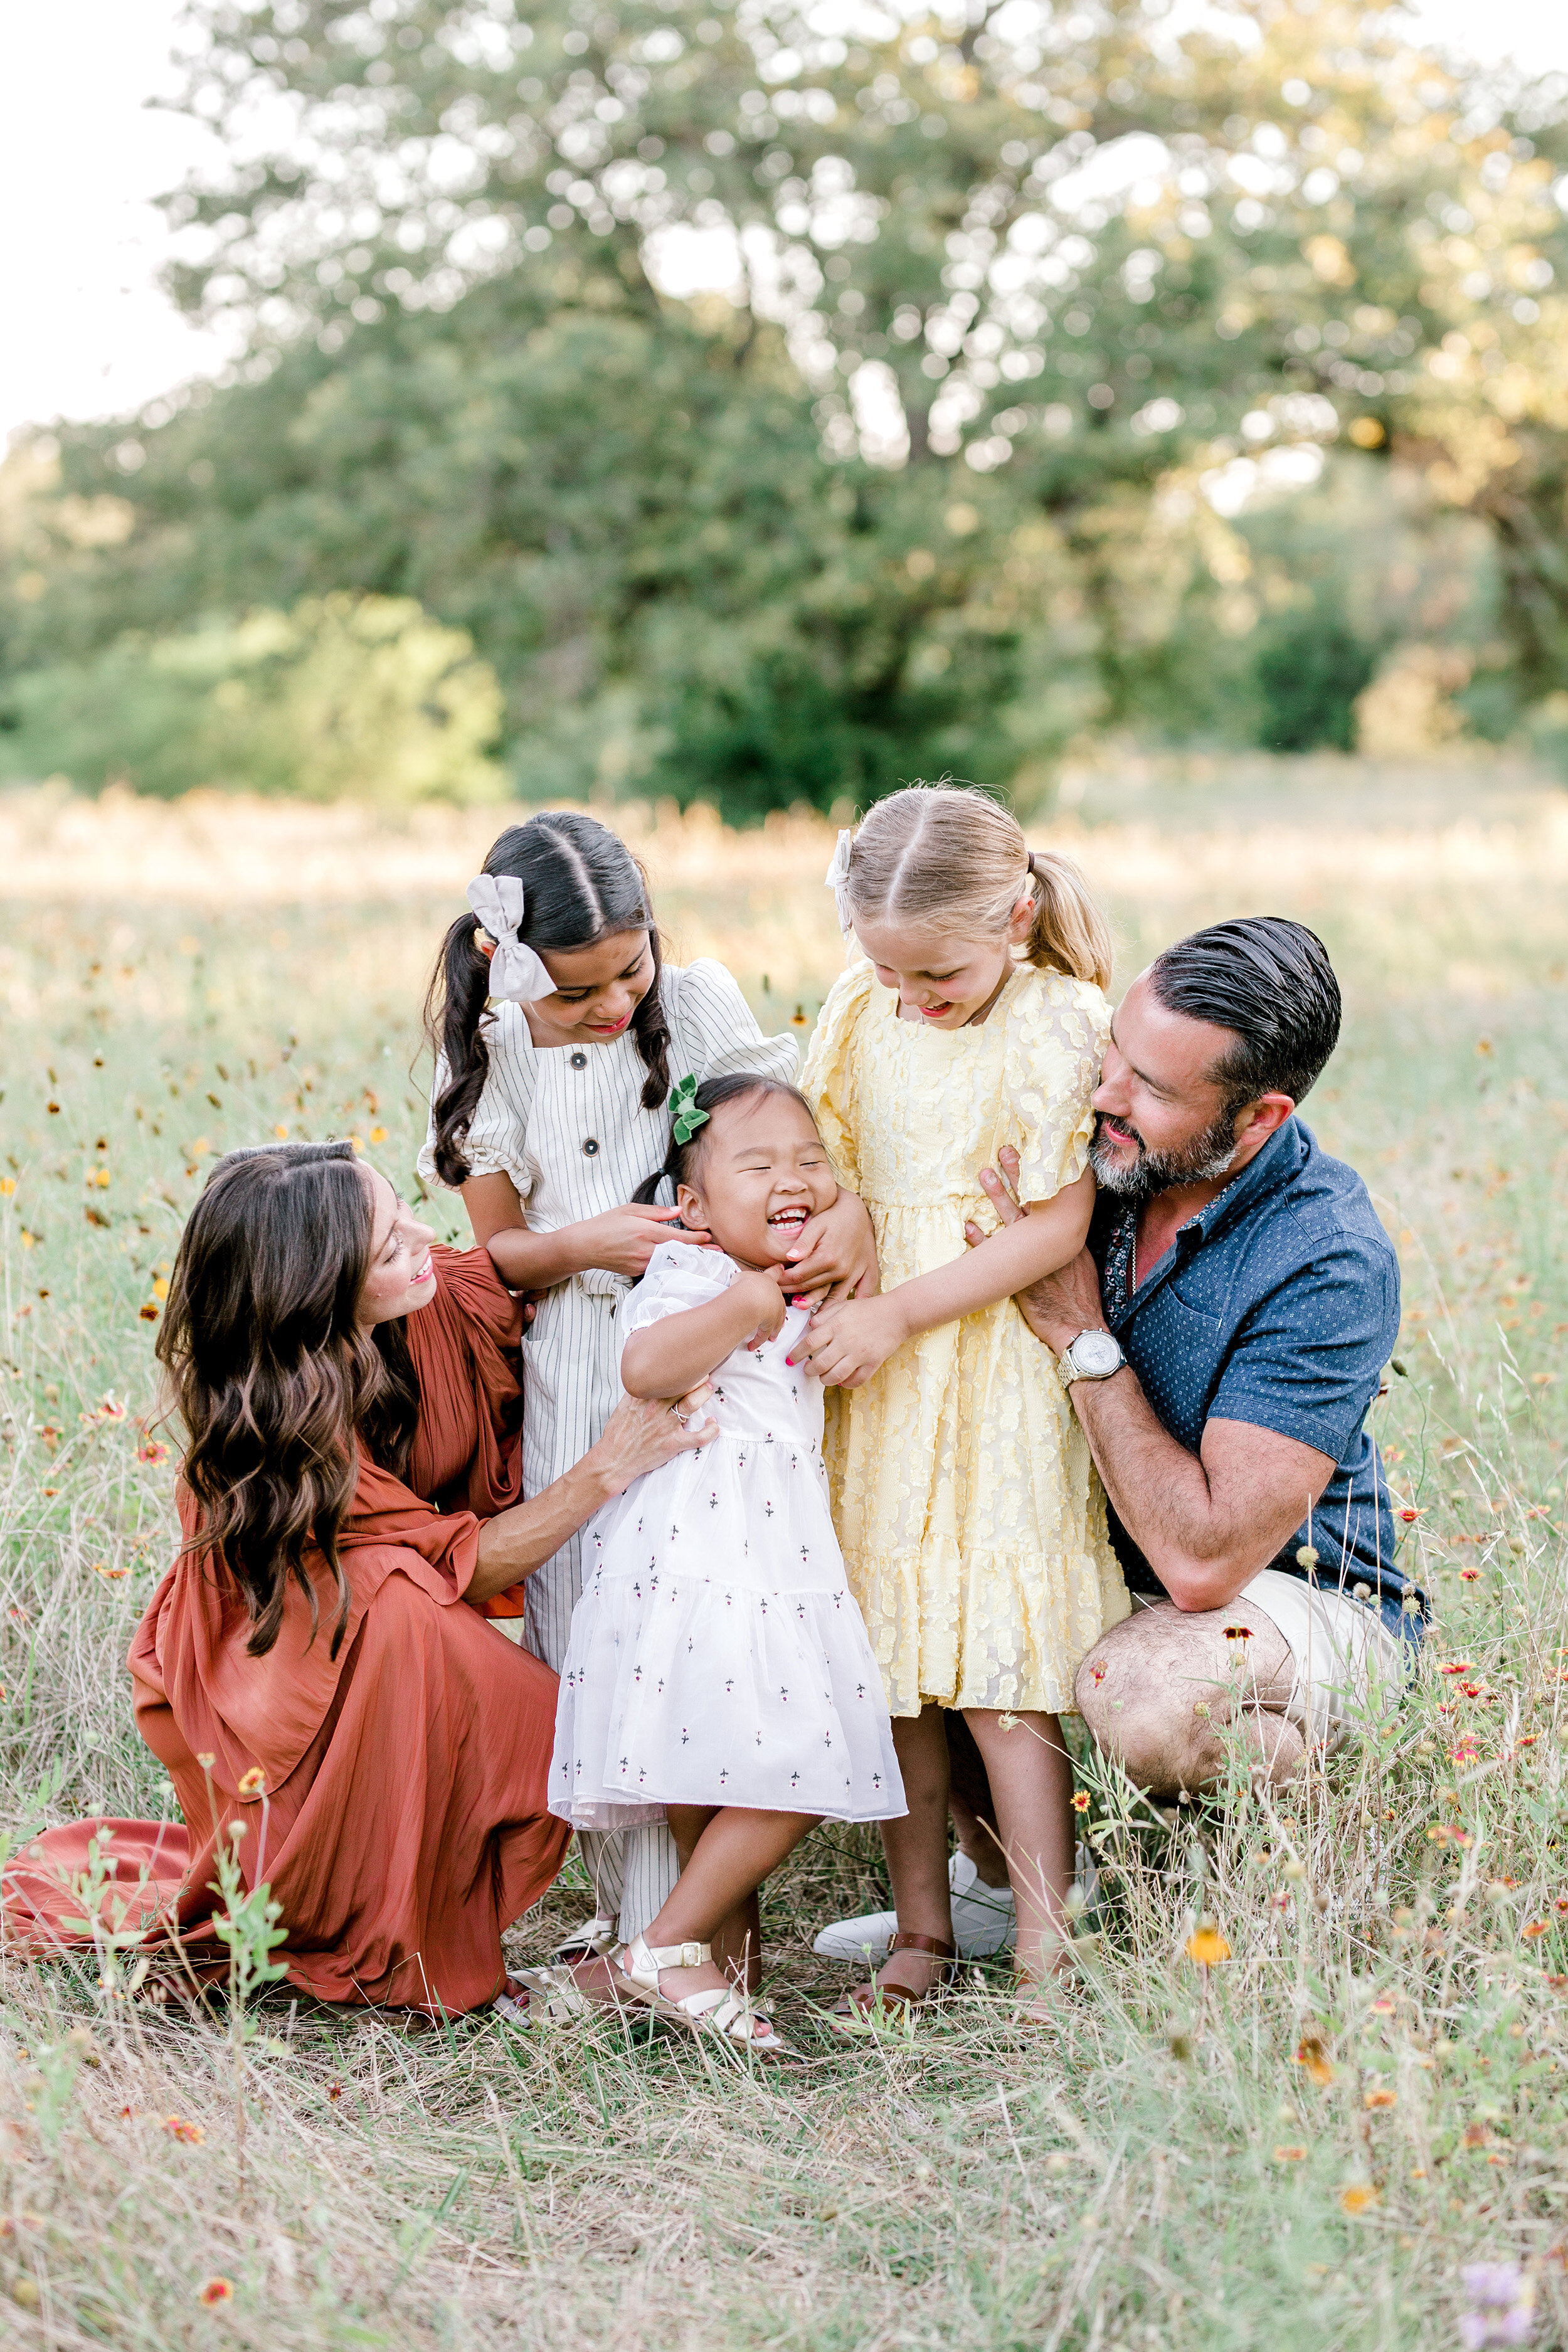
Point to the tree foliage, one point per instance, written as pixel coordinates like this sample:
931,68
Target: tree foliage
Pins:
932,484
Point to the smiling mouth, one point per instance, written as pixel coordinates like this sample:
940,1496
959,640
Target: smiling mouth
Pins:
426,1272
794,1218
608,1028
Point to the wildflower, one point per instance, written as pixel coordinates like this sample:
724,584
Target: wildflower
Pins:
254,1782
216,2290
1096,1673
378,1135
1080,1801
1294,2154
110,1575
153,1451
1207,1944
1380,2098
1307,1558
281,1133
1238,1632
1533,1927
7,1185
1310,2053
1384,2006
1467,1752
334,2092
1502,2305
1358,2197
1458,1667
1469,1575
149,1314
1476,2136
191,2134
1007,1722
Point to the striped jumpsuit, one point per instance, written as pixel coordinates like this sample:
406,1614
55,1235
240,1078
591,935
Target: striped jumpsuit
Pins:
567,1124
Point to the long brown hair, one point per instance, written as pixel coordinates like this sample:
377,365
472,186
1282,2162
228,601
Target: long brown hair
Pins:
581,885
268,1368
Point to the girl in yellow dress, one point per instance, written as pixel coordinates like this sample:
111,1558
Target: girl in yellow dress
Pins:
972,1521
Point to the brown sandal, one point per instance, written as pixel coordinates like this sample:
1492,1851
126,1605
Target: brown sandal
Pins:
861,2005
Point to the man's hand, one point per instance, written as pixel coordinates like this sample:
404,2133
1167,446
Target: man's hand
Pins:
843,1345
835,1255
1060,1304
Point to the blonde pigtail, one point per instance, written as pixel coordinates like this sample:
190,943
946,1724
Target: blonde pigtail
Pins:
1069,932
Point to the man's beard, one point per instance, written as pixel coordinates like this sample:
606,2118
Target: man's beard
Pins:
1206,1158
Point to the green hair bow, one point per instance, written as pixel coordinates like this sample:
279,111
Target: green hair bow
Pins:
683,1105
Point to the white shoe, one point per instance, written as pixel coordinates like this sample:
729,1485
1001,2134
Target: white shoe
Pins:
983,1922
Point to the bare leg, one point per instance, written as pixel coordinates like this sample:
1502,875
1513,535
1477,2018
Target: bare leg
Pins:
725,1855
977,1839
737,1940
1031,1781
916,1847
1160,1691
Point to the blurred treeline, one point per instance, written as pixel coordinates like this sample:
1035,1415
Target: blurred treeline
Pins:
1068,374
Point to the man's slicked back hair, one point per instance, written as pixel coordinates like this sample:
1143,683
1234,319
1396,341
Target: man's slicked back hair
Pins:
1268,980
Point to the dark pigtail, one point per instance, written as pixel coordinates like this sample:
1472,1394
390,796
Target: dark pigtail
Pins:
581,885
711,1096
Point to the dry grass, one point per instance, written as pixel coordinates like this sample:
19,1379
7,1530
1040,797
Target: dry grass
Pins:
1155,2168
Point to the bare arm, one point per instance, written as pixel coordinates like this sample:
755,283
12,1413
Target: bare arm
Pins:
1205,1522
845,1344
638,1437
622,1240
675,1353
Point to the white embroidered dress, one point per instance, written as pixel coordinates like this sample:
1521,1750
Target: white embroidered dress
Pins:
717,1656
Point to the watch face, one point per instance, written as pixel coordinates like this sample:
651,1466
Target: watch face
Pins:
1096,1353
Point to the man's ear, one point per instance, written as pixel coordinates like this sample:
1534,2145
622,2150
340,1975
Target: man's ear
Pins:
1260,1119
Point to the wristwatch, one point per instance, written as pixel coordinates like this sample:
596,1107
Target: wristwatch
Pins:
1092,1356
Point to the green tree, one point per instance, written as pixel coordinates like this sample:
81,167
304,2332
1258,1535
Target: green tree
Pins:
924,488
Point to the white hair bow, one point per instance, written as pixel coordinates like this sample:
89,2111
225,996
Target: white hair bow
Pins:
516,974
838,880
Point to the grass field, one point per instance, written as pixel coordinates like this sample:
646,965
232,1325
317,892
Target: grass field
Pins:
1304,2143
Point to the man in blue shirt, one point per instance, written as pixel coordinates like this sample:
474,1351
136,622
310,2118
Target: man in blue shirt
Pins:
1223,1335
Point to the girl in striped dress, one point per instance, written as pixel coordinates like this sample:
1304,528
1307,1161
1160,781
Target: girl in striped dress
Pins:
559,1032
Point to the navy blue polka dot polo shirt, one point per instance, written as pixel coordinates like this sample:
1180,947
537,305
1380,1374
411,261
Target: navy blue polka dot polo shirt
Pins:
1278,1304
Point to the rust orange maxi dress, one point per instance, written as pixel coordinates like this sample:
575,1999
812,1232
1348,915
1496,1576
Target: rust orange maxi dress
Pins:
406,1822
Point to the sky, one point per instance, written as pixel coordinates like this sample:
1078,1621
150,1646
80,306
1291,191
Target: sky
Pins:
84,151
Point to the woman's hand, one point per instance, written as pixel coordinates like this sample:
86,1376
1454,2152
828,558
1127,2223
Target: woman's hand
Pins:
622,1241
835,1255
644,1432
761,1292
843,1345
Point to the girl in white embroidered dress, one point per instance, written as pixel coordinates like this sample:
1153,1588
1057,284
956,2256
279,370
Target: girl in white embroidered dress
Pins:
556,1026
718,1672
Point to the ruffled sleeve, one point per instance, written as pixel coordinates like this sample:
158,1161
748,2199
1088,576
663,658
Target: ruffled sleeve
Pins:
498,1133
828,1081
1056,1029
712,1029
678,1276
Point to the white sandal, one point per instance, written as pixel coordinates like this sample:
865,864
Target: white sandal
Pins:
729,2013
594,1939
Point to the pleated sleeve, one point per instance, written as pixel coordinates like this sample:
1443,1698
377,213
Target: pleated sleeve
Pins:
828,1083
498,1133
712,1030
1056,1029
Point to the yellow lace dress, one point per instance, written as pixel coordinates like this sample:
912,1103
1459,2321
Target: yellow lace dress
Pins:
970,1514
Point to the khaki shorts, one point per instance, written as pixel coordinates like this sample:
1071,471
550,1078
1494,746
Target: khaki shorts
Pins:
1347,1662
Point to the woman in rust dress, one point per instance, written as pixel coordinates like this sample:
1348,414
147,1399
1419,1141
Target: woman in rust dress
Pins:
317,1666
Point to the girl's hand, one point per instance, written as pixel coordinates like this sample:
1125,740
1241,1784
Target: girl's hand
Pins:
835,1256
761,1293
843,1345
622,1241
644,1432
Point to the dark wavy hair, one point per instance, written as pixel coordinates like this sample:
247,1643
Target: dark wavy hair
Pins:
268,1368
582,884
713,1095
